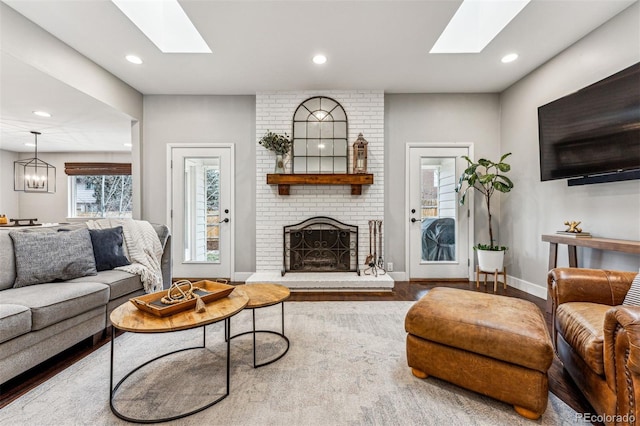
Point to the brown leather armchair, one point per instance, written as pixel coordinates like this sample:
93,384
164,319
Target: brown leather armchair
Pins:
597,339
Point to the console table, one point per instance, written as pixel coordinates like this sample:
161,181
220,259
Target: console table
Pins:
625,246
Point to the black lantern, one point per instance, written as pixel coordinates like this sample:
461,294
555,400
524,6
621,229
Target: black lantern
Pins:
360,155
33,174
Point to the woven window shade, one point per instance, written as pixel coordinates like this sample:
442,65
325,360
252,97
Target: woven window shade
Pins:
93,169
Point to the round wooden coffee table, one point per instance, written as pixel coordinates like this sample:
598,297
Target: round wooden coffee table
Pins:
260,296
127,317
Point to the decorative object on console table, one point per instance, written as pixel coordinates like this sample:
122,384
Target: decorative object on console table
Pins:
3,219
573,226
280,145
33,174
574,234
573,230
360,155
484,176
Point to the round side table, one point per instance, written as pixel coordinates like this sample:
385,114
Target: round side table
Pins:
128,318
260,296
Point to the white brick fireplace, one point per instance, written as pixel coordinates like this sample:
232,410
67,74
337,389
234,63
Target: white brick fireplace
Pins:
274,111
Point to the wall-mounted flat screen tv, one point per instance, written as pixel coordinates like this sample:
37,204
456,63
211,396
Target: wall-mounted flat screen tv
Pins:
593,134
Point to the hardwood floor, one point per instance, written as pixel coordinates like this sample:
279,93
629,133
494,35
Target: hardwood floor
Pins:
559,383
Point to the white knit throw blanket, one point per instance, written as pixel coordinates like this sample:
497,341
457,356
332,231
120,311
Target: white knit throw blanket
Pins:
142,248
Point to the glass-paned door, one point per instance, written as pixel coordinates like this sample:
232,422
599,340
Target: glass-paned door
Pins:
201,212
438,227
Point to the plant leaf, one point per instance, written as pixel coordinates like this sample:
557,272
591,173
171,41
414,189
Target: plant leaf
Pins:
504,156
484,179
506,181
471,170
501,186
503,167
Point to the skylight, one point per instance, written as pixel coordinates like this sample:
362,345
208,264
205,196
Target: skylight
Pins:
475,24
166,24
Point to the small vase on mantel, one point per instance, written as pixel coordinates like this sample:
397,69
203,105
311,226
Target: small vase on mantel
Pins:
279,164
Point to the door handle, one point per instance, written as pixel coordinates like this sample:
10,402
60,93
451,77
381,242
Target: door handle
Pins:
225,220
414,220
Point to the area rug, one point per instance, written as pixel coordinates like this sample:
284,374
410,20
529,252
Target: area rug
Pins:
346,366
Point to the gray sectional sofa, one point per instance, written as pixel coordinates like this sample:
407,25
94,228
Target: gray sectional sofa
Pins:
41,320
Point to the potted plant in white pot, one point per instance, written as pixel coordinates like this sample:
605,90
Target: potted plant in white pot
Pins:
486,177
279,144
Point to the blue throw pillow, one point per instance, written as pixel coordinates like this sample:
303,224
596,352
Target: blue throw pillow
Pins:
107,248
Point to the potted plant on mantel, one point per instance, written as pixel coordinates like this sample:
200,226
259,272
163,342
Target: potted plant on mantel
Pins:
279,144
485,177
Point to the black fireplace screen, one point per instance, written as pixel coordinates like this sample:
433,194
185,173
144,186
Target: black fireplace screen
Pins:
320,244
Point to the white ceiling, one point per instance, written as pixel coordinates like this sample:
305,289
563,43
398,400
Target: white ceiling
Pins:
265,45
79,122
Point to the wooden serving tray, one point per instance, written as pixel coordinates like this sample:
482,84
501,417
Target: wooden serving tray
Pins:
207,290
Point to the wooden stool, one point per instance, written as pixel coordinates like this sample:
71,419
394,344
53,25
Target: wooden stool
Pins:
495,277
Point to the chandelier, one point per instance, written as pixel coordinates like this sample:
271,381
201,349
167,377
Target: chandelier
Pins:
33,174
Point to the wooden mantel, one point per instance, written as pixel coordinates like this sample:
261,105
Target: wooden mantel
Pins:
285,180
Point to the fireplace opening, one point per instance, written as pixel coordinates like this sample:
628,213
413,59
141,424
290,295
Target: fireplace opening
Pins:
320,244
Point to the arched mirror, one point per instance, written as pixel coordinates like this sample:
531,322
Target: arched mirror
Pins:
320,137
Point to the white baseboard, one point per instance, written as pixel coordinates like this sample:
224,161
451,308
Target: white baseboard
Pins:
399,276
241,276
527,287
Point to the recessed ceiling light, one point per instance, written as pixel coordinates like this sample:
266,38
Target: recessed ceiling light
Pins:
475,24
29,144
134,59
319,59
127,144
509,58
164,23
42,113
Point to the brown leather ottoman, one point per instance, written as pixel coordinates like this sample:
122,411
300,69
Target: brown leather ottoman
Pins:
494,345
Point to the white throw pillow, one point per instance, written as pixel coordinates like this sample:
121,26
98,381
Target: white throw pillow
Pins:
633,296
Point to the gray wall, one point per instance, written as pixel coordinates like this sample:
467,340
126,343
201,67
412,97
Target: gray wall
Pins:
534,208
203,119
51,208
432,118
8,197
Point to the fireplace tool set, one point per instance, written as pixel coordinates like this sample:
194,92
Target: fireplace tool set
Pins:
374,263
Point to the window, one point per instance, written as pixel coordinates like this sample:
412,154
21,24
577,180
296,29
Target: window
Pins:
438,183
320,137
202,209
99,190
